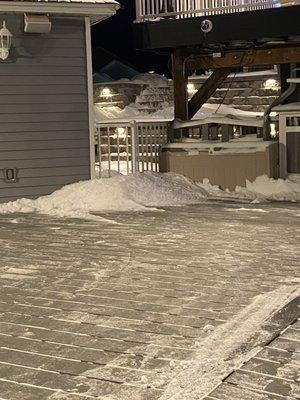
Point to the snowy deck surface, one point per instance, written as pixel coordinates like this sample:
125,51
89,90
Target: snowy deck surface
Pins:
273,373
92,310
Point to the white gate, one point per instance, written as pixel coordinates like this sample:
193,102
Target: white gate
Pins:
128,147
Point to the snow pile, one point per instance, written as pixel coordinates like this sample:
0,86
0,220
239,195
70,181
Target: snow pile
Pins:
230,345
151,79
276,189
119,193
262,189
143,192
208,110
131,112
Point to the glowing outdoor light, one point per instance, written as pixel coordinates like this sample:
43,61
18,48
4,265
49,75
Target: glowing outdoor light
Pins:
106,92
271,83
5,42
121,131
273,132
190,88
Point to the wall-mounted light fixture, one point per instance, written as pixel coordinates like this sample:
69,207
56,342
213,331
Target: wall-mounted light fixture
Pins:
5,42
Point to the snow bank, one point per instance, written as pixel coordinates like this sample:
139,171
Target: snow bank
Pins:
151,79
139,192
227,347
262,189
145,192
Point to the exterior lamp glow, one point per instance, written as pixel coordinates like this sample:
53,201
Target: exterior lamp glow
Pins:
5,42
106,92
191,88
271,84
273,132
121,131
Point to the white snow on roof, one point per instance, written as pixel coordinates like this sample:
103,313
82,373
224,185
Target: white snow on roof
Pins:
207,114
287,107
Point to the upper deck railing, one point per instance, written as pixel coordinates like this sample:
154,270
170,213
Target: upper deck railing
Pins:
147,10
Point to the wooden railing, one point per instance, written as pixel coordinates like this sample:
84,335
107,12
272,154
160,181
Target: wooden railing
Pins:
156,9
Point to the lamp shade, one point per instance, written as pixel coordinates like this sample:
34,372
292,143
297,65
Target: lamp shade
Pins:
5,42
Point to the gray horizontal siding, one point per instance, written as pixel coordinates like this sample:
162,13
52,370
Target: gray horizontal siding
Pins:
32,154
40,108
72,170
49,126
42,181
40,145
45,117
41,136
75,160
53,52
14,70
28,61
41,89
44,130
29,191
40,80
43,98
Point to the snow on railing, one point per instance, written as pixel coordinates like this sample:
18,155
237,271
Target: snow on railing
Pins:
128,147
156,9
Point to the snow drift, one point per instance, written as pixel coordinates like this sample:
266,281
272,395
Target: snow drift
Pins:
262,189
141,192
146,191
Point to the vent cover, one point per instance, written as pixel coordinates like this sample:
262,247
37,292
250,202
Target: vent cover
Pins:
36,23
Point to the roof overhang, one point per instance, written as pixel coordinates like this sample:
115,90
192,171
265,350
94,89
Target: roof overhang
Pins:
96,11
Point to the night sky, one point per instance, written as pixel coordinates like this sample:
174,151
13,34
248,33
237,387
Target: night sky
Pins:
116,35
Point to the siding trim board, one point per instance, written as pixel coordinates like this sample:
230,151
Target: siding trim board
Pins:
44,109
90,89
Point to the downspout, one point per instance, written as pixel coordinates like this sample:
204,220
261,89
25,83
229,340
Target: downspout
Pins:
280,100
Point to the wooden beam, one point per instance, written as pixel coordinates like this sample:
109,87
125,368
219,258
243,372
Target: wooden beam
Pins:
284,54
207,90
180,81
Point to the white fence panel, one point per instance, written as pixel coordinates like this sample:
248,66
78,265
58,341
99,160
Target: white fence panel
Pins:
128,148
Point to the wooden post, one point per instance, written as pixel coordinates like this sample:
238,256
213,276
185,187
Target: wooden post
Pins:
207,90
180,86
